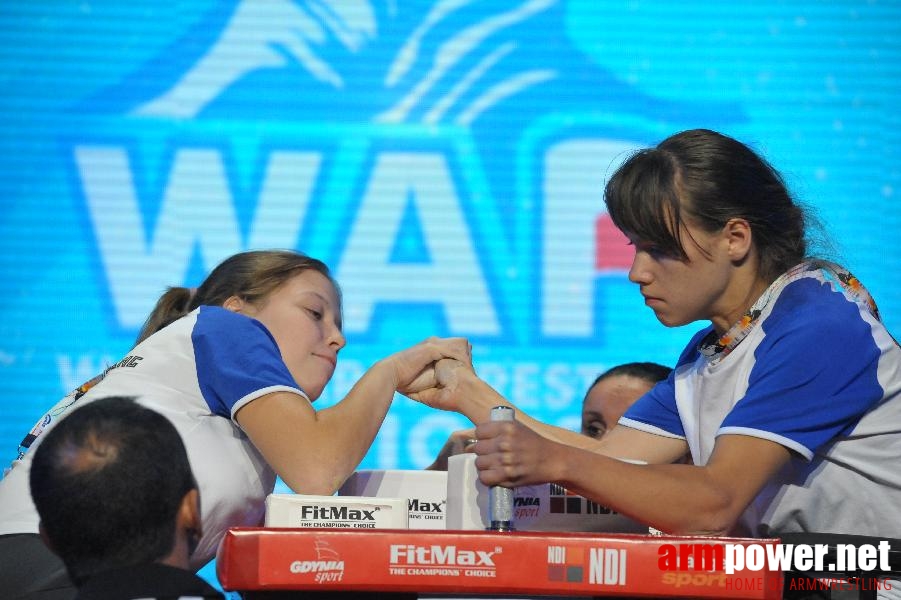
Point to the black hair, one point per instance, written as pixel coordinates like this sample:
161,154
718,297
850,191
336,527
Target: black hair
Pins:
107,481
707,178
648,371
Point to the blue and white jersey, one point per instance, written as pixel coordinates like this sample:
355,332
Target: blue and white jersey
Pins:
818,374
197,372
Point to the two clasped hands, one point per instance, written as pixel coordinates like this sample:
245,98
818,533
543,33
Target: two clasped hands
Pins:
508,453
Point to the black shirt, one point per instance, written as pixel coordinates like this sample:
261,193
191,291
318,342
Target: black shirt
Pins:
146,581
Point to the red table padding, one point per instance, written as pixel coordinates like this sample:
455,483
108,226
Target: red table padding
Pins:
483,562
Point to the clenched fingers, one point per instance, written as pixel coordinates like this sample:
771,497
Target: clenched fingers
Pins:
508,454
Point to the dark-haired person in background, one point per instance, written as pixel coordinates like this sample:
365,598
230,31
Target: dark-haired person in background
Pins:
614,391
607,398
118,503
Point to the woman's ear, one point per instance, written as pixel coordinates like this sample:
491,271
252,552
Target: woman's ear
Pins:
189,510
740,238
188,519
234,304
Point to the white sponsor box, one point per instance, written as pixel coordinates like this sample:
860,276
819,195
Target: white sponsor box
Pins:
333,512
425,492
546,507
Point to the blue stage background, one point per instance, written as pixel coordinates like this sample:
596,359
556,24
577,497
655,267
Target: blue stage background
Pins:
446,159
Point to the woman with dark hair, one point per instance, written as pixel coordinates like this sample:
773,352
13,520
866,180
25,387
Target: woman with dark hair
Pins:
614,391
788,402
236,365
605,401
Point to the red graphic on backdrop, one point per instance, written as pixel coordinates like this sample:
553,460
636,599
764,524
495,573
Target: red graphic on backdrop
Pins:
612,251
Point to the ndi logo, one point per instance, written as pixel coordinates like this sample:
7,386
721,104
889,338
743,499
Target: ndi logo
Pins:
606,566
461,146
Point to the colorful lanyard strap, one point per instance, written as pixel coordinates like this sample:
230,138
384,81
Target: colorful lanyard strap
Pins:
57,410
717,348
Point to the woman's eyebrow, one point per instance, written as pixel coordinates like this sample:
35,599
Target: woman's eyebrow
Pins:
317,294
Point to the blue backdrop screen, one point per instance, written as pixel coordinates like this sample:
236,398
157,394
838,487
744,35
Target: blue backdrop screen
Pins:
447,160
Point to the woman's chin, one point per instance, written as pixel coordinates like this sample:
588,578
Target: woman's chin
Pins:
312,392
671,321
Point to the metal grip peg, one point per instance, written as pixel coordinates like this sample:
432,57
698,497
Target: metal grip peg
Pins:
500,499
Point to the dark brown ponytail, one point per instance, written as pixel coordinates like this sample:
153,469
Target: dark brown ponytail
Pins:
172,305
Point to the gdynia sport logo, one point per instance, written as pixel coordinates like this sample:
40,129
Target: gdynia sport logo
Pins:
460,146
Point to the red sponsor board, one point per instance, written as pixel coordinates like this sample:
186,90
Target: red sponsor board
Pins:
476,562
